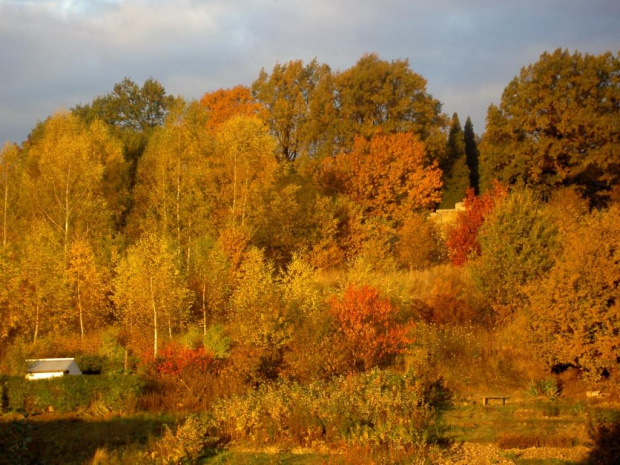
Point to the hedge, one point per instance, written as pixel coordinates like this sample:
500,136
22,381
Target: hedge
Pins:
72,393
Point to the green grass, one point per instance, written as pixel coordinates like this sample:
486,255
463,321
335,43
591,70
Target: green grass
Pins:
250,458
553,421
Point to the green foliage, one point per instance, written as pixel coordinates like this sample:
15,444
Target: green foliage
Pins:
456,174
216,340
547,387
74,393
472,155
518,245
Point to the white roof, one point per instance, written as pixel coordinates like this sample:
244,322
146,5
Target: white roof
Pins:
53,365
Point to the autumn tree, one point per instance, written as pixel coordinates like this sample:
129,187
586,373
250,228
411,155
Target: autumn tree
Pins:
390,175
259,326
209,276
557,124
299,105
244,169
149,291
39,285
371,329
518,244
419,243
132,111
454,167
174,191
10,172
223,104
87,285
375,96
65,172
462,240
575,310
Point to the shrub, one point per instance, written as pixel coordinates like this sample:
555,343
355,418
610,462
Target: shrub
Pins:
605,445
74,393
377,409
187,442
369,326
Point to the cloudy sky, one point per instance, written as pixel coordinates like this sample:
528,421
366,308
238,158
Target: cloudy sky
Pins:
56,54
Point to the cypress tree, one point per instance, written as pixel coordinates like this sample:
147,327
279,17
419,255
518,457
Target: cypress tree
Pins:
472,156
454,166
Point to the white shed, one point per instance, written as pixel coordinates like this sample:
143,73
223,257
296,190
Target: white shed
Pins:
45,368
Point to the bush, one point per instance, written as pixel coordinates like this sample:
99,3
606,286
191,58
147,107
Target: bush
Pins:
377,409
74,393
189,440
605,447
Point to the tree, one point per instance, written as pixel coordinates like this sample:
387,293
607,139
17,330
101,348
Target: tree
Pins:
259,325
132,112
372,332
245,168
39,285
518,244
575,307
10,171
223,104
380,96
129,106
420,244
462,241
65,172
209,276
174,191
454,167
299,106
148,288
390,175
557,124
472,156
87,286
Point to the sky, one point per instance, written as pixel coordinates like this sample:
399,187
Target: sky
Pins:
56,54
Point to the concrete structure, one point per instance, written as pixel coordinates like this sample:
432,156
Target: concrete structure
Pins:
46,368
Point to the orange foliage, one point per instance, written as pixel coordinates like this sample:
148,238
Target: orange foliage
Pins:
370,327
223,104
174,360
463,238
389,175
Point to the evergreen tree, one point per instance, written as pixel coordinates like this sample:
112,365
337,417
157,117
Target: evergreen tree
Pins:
472,156
454,166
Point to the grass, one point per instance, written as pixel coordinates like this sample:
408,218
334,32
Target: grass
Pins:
71,439
553,423
263,458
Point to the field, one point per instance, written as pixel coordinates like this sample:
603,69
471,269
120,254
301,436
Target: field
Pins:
527,430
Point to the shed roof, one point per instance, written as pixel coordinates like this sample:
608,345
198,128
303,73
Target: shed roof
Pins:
51,365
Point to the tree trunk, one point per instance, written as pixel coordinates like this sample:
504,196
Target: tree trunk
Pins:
154,317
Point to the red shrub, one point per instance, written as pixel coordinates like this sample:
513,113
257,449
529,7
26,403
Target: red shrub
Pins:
369,326
463,238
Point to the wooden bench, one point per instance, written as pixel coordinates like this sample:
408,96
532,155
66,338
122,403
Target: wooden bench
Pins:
486,399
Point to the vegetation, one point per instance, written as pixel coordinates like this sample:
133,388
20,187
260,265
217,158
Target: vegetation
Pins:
263,271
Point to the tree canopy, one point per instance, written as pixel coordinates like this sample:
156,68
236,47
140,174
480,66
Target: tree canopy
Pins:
558,123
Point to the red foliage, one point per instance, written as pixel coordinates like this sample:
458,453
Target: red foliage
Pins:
463,238
174,359
369,325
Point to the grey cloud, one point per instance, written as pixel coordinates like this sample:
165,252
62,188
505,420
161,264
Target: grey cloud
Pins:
60,53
